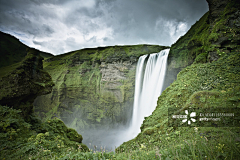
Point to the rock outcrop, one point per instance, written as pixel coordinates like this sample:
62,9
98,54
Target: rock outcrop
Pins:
22,82
216,8
22,134
22,78
114,74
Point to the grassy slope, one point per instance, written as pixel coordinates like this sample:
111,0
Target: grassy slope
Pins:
184,51
199,85
211,85
12,52
33,140
204,38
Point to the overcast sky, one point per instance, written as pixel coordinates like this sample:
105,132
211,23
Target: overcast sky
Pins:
60,26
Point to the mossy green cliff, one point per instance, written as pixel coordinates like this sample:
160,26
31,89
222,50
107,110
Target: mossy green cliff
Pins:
22,134
22,78
22,82
207,60
94,88
214,35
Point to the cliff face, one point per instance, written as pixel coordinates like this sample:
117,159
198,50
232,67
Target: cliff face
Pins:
94,88
22,78
203,69
22,82
215,34
22,134
216,8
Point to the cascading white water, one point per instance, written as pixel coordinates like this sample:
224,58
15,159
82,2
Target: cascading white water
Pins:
149,80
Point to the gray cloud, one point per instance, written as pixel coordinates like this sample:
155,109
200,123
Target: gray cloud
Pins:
59,26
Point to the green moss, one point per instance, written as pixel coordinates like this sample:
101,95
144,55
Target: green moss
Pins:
185,50
21,139
22,82
203,38
201,58
203,84
79,90
199,85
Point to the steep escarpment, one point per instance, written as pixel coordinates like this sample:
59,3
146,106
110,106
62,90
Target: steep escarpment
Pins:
22,78
94,88
215,34
22,134
203,69
22,82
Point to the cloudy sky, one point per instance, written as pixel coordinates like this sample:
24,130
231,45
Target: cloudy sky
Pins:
60,26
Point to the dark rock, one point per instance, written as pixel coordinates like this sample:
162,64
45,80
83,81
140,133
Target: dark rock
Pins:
237,139
213,56
216,8
220,41
20,87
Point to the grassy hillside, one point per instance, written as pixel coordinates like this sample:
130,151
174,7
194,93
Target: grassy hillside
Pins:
13,51
205,41
199,86
210,82
20,139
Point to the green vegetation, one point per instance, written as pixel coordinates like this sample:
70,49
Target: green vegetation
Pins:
208,57
53,140
13,51
22,82
8,69
95,84
110,53
197,86
33,140
204,39
22,134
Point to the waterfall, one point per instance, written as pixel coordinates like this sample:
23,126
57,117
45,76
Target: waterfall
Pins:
149,80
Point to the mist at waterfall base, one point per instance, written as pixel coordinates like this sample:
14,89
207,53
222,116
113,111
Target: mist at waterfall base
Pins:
149,81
